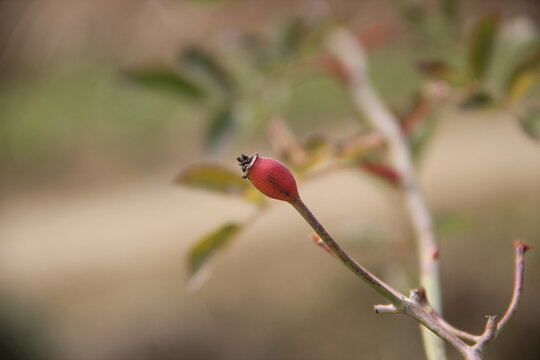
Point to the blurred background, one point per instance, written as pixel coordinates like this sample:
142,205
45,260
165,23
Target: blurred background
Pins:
104,255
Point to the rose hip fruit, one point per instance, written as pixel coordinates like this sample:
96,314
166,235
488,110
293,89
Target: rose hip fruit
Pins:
270,177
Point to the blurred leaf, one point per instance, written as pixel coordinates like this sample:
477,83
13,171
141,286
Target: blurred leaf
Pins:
255,197
206,249
213,177
477,100
530,123
285,143
382,171
449,8
442,71
410,11
255,47
378,35
318,145
220,179
318,152
481,46
524,76
421,136
418,111
292,35
332,66
166,80
362,146
204,62
221,125
452,224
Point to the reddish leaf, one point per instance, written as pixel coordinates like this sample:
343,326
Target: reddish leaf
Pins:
382,171
334,67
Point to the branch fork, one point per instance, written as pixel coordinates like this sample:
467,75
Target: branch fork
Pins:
417,306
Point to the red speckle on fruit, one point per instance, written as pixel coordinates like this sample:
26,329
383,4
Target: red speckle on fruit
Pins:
270,177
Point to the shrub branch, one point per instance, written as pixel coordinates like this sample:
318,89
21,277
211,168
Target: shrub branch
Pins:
351,55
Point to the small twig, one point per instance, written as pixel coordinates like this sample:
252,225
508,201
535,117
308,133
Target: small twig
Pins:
416,115
360,144
285,142
381,287
492,328
385,309
521,247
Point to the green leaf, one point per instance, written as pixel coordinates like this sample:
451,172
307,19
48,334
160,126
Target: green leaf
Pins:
411,11
256,197
442,71
167,80
481,46
477,100
213,177
206,248
524,76
257,49
420,137
449,8
530,123
203,62
221,125
292,34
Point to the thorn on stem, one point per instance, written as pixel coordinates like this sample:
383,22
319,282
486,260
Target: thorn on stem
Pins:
317,240
435,253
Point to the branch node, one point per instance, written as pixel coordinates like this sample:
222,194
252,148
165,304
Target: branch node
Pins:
418,295
487,336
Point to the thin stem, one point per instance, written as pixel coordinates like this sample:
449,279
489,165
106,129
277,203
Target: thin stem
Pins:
317,240
347,48
521,248
408,306
381,287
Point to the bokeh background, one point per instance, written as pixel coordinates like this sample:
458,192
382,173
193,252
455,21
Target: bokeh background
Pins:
94,235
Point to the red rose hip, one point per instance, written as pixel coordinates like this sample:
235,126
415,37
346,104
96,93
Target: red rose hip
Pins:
270,177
